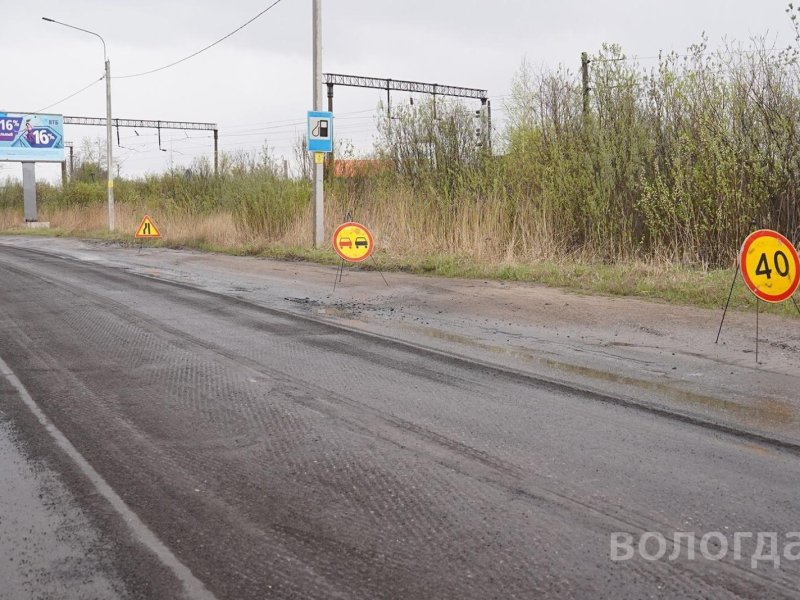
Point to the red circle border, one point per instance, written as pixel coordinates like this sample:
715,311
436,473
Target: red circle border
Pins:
369,236
743,267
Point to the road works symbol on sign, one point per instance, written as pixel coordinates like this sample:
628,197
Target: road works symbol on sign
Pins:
770,265
147,229
353,242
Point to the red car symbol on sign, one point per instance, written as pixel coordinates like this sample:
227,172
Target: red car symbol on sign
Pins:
345,243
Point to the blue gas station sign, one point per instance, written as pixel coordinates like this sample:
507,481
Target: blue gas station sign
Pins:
320,131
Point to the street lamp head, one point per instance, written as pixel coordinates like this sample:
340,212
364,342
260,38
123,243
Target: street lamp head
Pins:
49,20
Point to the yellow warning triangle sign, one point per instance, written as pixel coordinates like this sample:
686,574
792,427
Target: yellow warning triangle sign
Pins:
147,229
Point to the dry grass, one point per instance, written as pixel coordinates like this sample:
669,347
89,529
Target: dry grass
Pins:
73,220
416,245
191,230
409,223
10,219
404,226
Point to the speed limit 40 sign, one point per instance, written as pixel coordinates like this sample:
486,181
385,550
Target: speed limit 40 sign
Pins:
770,265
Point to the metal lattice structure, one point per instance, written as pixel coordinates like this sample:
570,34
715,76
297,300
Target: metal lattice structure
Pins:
417,87
400,85
151,124
140,123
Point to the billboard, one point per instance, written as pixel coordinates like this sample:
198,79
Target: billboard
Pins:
31,137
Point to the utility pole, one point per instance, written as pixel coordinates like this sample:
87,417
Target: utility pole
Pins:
329,161
489,125
109,160
109,146
585,81
485,114
318,168
216,152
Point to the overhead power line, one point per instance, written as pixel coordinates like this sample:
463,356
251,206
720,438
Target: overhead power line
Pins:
193,54
291,121
72,95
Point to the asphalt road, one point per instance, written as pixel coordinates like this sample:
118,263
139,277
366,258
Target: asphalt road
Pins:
274,455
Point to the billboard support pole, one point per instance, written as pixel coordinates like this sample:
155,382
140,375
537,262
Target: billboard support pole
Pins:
29,190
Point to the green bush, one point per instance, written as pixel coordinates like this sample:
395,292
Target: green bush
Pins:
267,205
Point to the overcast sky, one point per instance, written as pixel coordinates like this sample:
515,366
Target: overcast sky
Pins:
257,84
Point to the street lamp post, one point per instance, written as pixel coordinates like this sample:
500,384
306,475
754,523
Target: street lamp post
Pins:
109,160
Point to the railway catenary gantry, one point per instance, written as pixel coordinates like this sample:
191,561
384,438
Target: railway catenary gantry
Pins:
417,87
152,124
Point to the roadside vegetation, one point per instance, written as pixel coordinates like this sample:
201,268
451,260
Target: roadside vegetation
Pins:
649,192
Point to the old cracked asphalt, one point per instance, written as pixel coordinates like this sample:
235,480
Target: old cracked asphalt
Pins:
281,447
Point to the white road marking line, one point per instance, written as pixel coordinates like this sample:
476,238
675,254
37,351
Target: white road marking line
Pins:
194,588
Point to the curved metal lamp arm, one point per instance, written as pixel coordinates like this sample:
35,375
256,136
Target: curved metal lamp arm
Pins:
105,54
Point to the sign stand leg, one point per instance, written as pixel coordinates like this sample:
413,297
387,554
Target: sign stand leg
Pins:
730,295
797,306
338,277
758,302
379,271
340,270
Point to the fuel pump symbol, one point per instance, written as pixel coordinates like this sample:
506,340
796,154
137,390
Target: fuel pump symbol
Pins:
321,129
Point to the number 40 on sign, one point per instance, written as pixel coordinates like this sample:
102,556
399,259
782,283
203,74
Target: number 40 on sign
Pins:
770,265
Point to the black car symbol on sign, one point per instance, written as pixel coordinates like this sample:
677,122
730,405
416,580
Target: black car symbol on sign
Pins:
361,242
